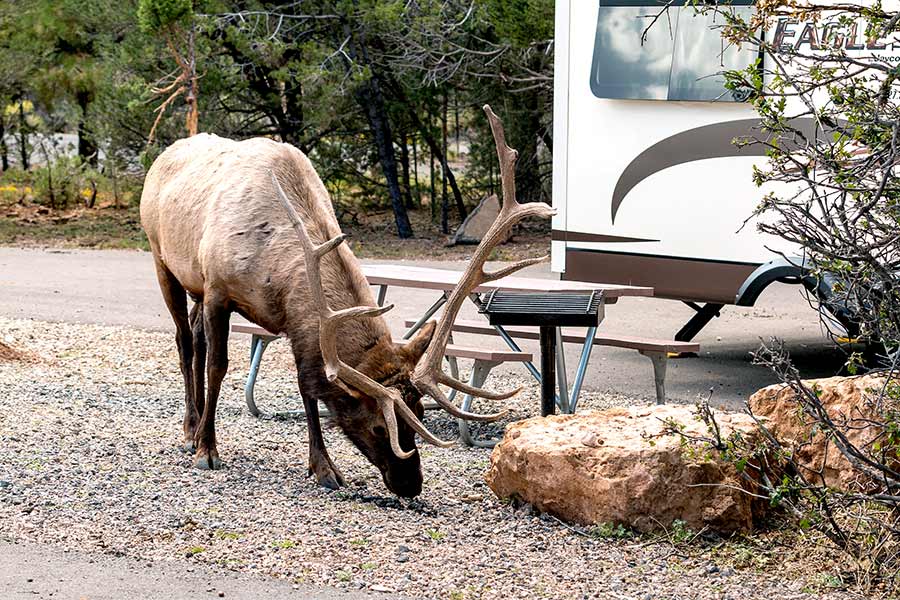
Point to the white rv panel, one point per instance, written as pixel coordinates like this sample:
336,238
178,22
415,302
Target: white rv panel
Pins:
623,189
560,129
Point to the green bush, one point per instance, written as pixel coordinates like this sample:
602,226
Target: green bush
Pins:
154,15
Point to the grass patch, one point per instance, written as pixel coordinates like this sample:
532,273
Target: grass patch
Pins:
223,534
610,531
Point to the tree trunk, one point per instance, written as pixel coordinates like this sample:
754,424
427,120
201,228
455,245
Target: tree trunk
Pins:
435,149
415,159
404,165
432,200
445,207
371,99
433,145
87,146
192,97
528,181
372,102
4,150
456,121
23,135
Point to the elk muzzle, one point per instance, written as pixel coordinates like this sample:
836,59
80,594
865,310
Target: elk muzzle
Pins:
403,476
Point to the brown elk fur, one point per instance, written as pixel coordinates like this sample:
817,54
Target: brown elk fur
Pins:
217,232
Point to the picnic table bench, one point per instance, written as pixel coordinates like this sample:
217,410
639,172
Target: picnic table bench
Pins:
658,351
484,360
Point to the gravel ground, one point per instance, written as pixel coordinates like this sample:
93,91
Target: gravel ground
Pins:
90,460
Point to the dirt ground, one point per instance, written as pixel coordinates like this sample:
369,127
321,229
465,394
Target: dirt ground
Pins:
372,234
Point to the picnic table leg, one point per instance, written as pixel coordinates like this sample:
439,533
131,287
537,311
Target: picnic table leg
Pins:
659,360
382,292
454,371
562,400
454,368
428,314
480,371
257,347
582,367
548,377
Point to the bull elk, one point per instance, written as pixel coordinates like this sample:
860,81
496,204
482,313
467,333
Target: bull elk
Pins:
224,219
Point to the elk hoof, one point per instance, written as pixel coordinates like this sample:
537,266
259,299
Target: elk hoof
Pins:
329,481
329,477
189,446
207,461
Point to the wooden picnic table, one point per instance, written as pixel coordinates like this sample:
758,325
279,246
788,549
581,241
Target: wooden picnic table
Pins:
428,278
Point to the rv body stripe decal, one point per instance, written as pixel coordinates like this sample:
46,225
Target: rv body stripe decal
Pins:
709,141
558,235
670,277
669,257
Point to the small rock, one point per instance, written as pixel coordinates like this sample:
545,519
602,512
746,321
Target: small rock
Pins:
381,588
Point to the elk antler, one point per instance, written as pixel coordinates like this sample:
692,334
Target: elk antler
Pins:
428,373
337,371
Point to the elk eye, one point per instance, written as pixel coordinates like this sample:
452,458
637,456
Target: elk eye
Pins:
379,431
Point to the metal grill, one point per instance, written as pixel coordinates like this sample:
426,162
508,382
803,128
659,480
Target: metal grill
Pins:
554,310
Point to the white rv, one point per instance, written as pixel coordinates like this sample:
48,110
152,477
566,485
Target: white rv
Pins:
650,189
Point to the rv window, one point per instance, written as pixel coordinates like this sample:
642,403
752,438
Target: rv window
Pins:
681,57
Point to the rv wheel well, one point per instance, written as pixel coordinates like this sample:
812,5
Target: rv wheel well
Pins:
783,270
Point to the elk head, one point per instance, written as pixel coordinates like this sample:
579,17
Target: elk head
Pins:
380,409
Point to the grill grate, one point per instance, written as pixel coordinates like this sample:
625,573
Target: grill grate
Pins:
558,309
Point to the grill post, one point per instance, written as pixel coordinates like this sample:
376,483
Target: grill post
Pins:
548,366
548,311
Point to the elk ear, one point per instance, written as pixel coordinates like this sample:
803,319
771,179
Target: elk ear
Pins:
413,350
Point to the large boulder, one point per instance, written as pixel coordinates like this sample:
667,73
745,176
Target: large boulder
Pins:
849,403
476,225
609,467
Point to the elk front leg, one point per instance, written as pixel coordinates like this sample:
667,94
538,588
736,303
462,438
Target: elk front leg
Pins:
215,325
320,464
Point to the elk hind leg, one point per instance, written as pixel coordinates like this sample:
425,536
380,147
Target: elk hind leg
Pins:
215,325
175,298
193,414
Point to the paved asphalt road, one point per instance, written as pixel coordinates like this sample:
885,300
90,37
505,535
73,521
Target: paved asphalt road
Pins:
119,288
44,573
